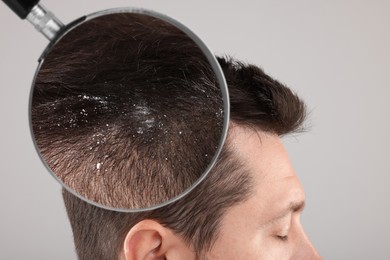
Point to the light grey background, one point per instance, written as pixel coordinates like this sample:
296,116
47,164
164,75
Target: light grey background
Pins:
335,54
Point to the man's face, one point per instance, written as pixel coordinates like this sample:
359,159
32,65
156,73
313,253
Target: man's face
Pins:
267,225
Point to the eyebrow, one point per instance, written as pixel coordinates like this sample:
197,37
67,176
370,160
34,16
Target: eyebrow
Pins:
293,207
297,206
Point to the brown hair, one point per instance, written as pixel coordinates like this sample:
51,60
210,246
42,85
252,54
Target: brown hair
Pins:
256,99
118,91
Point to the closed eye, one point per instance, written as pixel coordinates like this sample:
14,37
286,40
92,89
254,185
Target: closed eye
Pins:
282,238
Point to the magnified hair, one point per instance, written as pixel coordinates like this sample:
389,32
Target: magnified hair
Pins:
126,111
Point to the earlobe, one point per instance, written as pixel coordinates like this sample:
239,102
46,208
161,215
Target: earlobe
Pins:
144,242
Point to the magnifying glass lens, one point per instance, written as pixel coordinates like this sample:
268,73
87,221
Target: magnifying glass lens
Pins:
128,110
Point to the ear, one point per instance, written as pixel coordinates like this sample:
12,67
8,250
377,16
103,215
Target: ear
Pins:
149,240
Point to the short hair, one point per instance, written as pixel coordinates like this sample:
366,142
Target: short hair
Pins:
120,107
256,101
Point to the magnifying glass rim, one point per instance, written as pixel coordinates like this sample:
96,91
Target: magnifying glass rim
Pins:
211,59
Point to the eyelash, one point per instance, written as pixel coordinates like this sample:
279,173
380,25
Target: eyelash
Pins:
282,238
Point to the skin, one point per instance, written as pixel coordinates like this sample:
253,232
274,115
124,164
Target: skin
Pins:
266,226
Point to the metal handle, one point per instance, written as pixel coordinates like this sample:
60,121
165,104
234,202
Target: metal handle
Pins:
42,19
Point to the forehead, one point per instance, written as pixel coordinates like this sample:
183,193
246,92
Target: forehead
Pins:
275,182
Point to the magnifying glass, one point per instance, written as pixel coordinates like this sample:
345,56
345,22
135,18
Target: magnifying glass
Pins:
129,108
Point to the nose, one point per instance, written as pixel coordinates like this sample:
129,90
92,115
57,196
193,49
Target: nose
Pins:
305,249
310,253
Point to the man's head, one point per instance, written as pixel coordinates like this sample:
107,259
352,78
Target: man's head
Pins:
247,207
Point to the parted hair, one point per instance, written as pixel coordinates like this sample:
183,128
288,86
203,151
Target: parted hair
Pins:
101,85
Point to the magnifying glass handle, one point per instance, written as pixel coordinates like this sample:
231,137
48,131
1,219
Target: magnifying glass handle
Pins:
21,7
42,19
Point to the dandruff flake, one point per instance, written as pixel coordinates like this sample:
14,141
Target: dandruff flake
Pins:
98,166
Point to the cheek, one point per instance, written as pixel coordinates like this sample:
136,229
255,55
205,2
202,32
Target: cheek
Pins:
250,245
269,247
237,245
273,249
